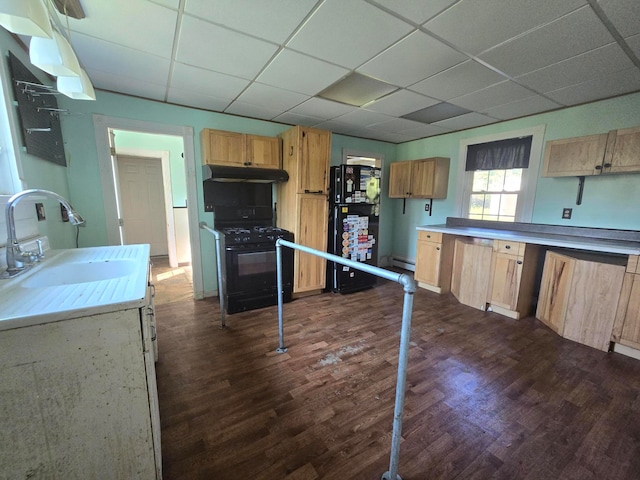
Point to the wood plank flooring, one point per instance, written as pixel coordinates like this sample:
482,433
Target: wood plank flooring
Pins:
487,397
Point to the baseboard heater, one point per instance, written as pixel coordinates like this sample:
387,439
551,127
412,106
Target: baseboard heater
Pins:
402,262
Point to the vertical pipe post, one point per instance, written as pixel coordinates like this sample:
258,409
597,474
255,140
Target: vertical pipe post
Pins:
403,360
221,284
281,348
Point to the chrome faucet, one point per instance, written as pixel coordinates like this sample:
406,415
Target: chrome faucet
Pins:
16,258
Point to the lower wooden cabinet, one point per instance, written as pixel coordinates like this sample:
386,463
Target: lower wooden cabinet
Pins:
309,270
513,273
626,330
471,271
579,296
434,255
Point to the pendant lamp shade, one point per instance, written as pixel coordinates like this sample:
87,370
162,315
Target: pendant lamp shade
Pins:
25,17
78,88
54,55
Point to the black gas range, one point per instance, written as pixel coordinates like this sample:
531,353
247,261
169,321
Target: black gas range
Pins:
244,214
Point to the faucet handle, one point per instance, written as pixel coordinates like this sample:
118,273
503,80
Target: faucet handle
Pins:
40,250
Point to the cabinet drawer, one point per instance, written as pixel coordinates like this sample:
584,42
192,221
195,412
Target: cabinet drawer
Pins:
426,236
504,246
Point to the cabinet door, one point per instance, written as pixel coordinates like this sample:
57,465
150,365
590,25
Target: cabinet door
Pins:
400,179
223,148
623,151
422,178
631,327
554,290
570,157
263,152
315,153
428,255
471,272
505,286
309,270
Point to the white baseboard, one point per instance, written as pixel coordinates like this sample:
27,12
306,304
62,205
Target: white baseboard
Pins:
405,263
628,351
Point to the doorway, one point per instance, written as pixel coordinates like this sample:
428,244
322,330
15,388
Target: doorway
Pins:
187,216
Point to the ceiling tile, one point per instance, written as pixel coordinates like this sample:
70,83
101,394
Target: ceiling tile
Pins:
497,94
300,73
416,11
206,82
624,15
271,97
192,98
200,45
570,35
175,4
522,108
401,102
273,21
366,30
634,44
412,59
394,125
464,78
390,137
129,86
362,118
594,63
94,53
105,20
423,131
336,127
252,111
295,119
468,120
319,107
475,26
617,83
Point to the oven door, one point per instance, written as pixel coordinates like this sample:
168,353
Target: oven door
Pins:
252,268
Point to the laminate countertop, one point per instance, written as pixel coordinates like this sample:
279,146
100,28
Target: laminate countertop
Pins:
74,283
604,245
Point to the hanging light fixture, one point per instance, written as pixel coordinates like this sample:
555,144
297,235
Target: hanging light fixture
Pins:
54,55
78,88
25,17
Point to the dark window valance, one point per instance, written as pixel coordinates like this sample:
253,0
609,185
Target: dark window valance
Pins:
499,155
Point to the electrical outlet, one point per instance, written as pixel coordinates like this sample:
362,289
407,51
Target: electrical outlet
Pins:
426,207
566,213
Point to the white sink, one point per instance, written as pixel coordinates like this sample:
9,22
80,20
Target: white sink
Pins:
80,272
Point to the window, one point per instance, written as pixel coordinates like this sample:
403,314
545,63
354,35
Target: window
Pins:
494,187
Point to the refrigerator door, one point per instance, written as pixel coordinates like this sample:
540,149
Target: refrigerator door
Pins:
355,238
355,184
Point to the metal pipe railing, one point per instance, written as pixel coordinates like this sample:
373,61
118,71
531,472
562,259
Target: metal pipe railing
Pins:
409,287
221,272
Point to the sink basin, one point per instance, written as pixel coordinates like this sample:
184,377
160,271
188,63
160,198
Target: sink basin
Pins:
80,272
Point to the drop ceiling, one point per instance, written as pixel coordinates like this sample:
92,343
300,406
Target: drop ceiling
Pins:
269,59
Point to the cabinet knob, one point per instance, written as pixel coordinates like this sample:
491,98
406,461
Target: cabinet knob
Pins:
507,247
598,167
428,236
519,262
607,165
437,248
291,151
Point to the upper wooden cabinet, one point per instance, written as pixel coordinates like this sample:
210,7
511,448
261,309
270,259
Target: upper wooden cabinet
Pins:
615,152
424,178
239,149
306,155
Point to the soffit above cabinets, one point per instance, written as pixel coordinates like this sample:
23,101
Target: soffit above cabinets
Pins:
270,60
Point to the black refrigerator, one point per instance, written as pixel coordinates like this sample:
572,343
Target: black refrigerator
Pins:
354,211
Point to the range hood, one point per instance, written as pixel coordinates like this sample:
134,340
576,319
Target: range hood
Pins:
219,173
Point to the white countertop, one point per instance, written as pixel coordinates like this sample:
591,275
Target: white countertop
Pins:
552,240
23,304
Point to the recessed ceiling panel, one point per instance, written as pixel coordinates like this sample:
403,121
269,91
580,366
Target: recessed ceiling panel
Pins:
571,35
436,113
474,26
357,90
221,50
412,59
464,78
401,102
300,73
348,33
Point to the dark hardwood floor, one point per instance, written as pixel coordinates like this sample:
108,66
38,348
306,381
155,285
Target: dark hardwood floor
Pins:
487,396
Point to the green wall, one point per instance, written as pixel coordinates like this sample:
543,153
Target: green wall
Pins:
170,143
608,201
39,173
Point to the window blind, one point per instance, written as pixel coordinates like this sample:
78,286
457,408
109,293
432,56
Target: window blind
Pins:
499,155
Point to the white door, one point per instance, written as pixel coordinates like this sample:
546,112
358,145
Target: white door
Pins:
142,202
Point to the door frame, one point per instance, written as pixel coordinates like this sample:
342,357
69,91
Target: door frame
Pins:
102,124
163,156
